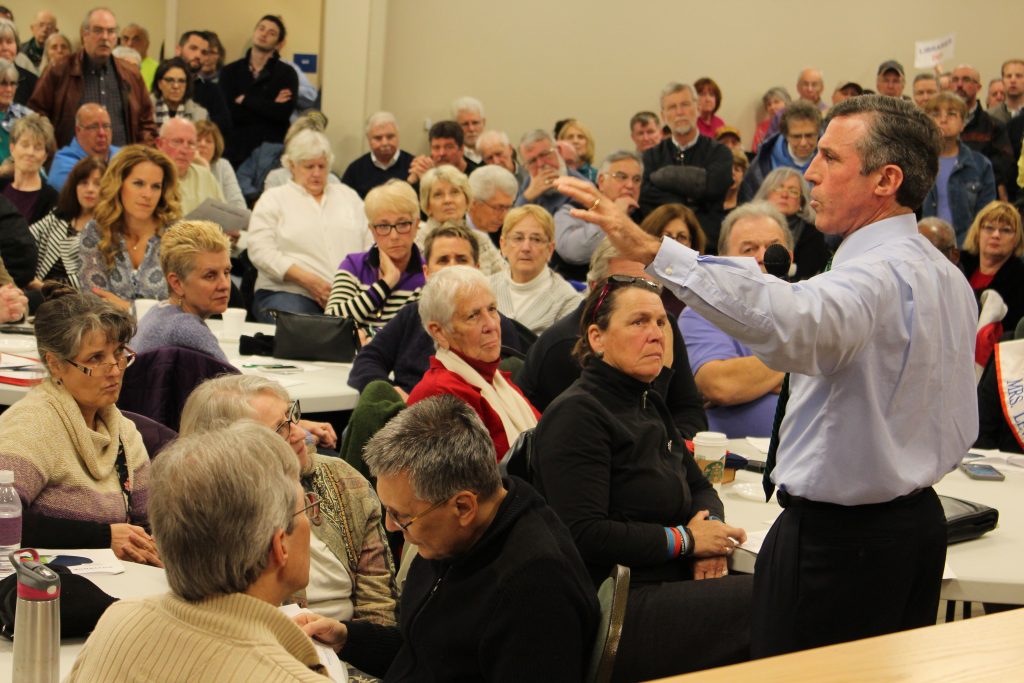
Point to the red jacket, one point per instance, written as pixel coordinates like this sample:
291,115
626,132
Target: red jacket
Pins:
58,95
440,380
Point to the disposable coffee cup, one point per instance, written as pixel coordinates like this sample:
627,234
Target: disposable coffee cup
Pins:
709,449
234,318
144,306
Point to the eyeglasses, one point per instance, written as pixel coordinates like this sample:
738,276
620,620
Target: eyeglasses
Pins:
801,136
177,143
682,237
788,191
174,81
1003,230
499,208
406,525
535,240
547,154
93,127
8,84
100,31
384,229
618,281
623,177
122,359
291,417
312,508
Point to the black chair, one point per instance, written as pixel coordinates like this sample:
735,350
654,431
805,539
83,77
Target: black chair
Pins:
612,596
518,460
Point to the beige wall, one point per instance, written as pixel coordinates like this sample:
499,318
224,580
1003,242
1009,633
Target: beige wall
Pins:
70,13
534,61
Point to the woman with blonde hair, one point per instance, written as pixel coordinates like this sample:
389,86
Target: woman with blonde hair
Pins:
530,292
121,245
31,143
195,259
990,257
582,141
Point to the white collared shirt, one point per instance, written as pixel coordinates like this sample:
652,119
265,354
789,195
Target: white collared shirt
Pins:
384,167
881,351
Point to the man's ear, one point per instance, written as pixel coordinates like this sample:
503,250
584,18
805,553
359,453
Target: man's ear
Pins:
889,181
468,507
278,549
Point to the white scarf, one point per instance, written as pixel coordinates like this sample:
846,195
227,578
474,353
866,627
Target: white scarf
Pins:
515,412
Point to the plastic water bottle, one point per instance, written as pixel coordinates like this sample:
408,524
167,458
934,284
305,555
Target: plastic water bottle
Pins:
10,519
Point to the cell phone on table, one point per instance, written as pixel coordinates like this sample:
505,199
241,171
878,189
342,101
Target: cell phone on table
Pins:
981,471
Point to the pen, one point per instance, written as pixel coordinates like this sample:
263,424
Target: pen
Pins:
271,366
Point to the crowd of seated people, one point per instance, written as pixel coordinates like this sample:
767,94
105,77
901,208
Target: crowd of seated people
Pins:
97,185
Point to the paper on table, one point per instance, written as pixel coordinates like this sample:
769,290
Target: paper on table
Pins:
328,657
103,561
760,443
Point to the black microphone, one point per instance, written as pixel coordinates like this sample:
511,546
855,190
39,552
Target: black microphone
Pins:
776,261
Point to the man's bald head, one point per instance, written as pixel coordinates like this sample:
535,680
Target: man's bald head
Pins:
178,141
93,129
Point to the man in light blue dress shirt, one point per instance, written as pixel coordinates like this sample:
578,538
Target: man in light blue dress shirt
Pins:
882,397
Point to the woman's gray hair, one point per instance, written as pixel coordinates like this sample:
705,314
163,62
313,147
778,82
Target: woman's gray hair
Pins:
66,316
777,178
754,209
442,446
224,400
448,174
9,30
307,145
600,260
778,92
443,290
487,180
489,137
214,513
35,125
9,71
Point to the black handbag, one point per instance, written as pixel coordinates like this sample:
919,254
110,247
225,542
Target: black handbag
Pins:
82,603
965,520
315,337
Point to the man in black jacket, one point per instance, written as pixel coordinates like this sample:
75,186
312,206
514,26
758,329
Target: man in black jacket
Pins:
260,91
193,46
497,590
687,168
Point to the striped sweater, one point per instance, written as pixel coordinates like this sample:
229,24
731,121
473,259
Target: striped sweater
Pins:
64,472
57,241
223,638
358,291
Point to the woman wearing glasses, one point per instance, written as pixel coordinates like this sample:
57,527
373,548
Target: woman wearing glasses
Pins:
351,573
302,230
120,247
172,93
990,257
786,190
10,111
530,292
80,466
680,223
195,257
631,493
371,286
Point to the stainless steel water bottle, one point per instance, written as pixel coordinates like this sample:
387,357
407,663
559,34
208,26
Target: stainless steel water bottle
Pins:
36,620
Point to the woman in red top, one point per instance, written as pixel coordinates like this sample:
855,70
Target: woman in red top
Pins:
991,257
460,313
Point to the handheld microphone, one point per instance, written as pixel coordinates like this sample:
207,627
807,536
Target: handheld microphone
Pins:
776,261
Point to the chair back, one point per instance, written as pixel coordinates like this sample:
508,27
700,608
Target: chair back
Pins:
518,460
155,436
612,596
159,382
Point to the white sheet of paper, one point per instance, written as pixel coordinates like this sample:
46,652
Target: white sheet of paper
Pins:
328,657
928,53
760,443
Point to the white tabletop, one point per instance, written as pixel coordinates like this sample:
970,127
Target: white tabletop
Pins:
321,387
987,569
138,580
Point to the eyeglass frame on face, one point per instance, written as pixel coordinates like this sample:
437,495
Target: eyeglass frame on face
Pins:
291,417
312,508
623,177
621,281
93,127
990,229
405,527
384,229
500,208
550,152
178,143
789,191
181,82
683,236
128,357
517,239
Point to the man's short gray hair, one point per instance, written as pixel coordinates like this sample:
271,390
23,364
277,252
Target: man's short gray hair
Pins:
757,209
600,261
621,155
441,445
216,501
94,10
443,290
899,134
486,180
379,119
224,400
467,104
306,145
535,135
672,88
489,137
777,178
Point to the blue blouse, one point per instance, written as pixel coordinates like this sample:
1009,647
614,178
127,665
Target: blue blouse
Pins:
122,279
